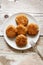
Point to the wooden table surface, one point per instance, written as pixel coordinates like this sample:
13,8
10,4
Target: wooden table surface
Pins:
33,56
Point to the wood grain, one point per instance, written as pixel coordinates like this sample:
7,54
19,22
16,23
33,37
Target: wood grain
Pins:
5,48
9,55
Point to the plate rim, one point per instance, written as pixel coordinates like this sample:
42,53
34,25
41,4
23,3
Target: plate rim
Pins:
30,16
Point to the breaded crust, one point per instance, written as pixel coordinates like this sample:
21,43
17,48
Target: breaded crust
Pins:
32,29
21,29
22,19
11,31
21,40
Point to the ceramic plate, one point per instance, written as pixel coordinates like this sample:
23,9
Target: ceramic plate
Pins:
12,43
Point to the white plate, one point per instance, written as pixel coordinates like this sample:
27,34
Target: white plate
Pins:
12,43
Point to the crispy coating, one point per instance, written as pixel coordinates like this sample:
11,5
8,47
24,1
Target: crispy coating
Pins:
21,40
21,29
11,31
21,19
32,29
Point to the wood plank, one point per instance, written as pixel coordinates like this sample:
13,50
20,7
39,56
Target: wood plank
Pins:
9,59
31,60
24,6
11,56
27,6
5,48
40,22
39,18
20,5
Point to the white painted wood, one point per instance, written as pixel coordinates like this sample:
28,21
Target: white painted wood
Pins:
33,7
39,18
4,48
10,59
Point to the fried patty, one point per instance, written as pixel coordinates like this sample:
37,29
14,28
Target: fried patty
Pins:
21,29
11,31
21,40
32,29
22,19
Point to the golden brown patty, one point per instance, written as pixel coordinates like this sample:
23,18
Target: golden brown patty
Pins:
11,31
21,29
32,29
21,40
21,19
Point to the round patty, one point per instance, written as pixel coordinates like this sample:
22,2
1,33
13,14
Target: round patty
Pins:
32,29
11,31
21,19
21,40
21,29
